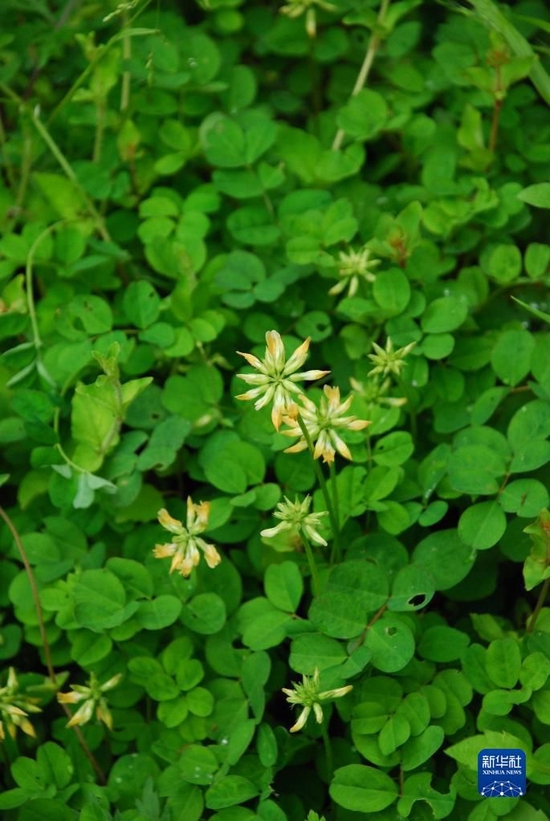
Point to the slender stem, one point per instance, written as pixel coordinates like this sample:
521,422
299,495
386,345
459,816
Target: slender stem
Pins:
314,83
26,163
539,605
34,593
44,636
364,71
312,563
496,110
67,168
335,553
100,53
29,280
320,477
328,749
126,56
99,131
10,173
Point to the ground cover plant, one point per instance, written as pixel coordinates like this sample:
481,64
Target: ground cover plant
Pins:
274,408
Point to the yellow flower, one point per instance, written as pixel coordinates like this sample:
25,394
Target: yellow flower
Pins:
323,424
296,516
186,545
276,380
14,709
92,698
294,8
354,266
307,695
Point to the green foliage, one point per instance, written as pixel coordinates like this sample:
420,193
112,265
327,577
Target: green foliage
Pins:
179,180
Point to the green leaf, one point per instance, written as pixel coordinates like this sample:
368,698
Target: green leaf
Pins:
391,643
229,791
393,449
503,263
392,291
418,788
362,789
87,650
537,259
474,469
204,614
338,614
223,141
315,650
99,599
444,314
231,464
511,356
142,303
524,497
537,195
481,526
158,613
368,583
267,745
364,115
422,747
284,586
135,577
445,557
504,662
46,809
259,137
55,764
62,194
442,643
412,589
395,732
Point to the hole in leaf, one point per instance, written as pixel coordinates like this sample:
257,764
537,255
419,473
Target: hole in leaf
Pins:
418,600
391,631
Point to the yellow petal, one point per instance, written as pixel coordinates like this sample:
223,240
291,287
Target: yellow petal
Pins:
168,522
298,357
252,360
162,551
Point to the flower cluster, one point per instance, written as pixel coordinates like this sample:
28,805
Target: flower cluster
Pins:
308,696
295,8
186,544
323,424
15,708
92,698
276,381
296,516
276,378
354,266
387,361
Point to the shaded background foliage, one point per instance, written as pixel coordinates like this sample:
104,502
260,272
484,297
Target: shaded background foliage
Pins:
178,179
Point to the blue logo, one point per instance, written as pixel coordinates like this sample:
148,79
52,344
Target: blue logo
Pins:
501,773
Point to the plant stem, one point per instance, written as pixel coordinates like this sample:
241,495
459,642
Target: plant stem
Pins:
335,553
539,605
29,281
496,111
364,71
10,173
328,749
126,56
26,163
99,131
67,168
312,564
45,642
320,477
